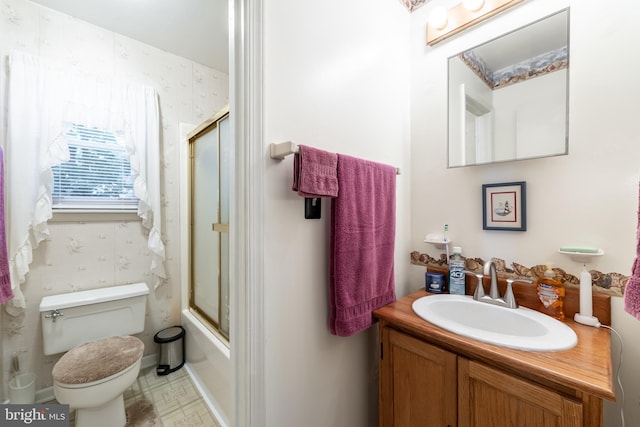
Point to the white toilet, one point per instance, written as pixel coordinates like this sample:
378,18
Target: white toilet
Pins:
102,359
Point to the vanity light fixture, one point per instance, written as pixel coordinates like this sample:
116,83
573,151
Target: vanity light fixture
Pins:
462,16
438,18
473,5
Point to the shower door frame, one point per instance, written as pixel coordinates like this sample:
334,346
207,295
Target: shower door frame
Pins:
210,125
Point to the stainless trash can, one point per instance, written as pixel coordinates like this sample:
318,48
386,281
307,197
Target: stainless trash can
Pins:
171,341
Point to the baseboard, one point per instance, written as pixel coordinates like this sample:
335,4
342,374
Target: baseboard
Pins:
42,396
149,361
45,395
205,395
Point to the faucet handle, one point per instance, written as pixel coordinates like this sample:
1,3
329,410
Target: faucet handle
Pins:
479,292
509,298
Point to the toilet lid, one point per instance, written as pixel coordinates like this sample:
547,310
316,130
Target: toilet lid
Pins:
96,360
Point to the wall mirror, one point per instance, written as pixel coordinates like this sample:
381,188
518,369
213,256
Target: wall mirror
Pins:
508,98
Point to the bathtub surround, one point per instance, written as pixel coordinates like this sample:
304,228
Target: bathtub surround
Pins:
209,364
5,280
91,251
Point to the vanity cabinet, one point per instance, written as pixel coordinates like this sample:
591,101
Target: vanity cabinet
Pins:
417,383
424,385
490,398
431,377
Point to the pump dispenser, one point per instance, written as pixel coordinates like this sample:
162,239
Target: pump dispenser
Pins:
551,294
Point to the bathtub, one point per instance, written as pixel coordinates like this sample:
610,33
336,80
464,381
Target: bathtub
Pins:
209,363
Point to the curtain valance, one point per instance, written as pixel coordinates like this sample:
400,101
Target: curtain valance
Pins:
43,98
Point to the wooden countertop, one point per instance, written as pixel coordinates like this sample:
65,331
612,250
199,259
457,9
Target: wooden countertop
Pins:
586,367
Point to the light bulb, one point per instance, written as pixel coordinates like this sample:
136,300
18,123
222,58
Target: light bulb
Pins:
438,17
473,5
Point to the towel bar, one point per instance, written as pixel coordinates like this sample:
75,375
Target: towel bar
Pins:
283,149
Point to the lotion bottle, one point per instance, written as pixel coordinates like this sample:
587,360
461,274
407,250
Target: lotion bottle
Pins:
551,294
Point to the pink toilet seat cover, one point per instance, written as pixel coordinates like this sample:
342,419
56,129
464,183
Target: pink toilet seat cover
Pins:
97,360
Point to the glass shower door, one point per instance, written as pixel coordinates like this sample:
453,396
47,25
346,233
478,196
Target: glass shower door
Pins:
210,150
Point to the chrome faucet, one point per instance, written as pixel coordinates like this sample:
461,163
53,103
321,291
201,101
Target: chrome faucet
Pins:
508,300
490,270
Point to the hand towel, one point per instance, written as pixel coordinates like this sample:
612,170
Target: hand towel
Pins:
315,172
5,279
632,289
362,244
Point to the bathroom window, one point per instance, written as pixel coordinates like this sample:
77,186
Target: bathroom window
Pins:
98,174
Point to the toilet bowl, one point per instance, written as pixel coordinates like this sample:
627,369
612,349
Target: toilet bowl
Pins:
103,359
92,377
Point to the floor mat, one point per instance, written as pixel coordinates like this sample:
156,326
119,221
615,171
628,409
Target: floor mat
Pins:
142,414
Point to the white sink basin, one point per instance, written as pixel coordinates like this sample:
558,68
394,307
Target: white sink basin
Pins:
520,328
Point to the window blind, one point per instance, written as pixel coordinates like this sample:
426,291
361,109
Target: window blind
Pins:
97,175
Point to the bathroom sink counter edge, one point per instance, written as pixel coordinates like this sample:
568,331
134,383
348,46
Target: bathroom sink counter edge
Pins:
586,367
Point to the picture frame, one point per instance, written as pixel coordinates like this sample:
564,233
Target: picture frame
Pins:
504,206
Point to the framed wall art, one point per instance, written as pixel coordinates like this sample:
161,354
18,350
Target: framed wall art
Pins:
504,206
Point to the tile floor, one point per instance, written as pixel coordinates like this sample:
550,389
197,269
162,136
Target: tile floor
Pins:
175,398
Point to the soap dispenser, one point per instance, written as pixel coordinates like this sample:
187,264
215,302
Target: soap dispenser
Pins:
551,294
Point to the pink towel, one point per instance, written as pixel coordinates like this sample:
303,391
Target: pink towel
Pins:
5,279
362,244
315,172
632,289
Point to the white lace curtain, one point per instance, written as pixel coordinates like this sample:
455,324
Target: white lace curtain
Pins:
42,97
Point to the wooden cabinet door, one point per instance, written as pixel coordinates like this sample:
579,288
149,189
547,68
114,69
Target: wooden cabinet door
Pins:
490,398
418,386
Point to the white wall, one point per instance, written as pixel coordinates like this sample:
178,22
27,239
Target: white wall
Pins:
335,78
83,255
589,197
531,117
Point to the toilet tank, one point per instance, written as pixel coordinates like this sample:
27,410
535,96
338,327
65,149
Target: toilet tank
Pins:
78,317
